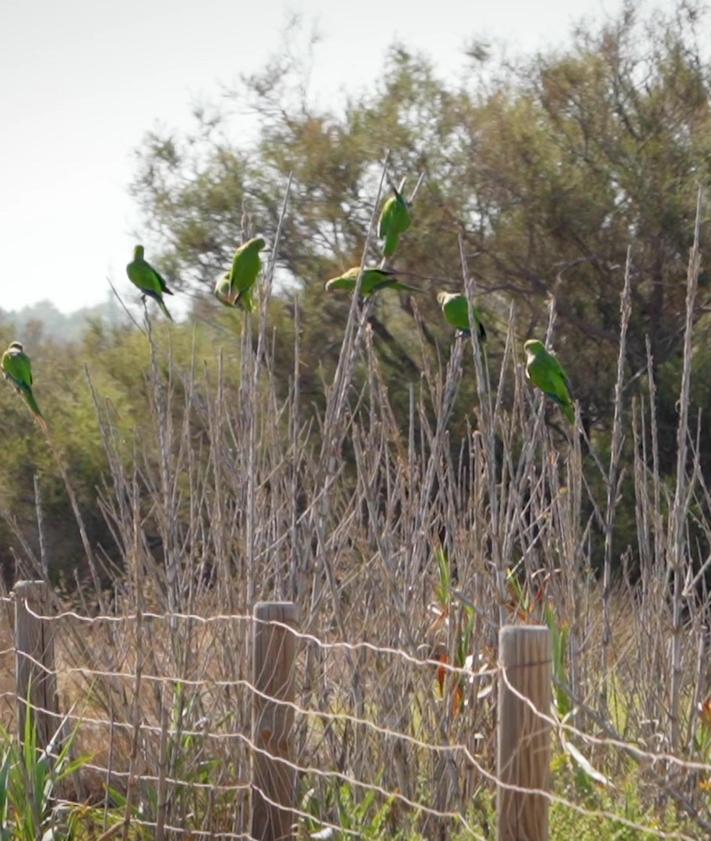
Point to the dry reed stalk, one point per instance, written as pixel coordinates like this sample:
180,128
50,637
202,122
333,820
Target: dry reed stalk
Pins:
676,554
614,475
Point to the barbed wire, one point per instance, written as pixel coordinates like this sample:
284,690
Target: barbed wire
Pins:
173,781
557,724
203,732
70,804
603,741
178,830
245,684
300,635
551,797
293,766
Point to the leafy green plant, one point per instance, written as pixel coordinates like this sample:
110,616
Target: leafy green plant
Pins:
559,645
30,777
341,805
119,807
567,823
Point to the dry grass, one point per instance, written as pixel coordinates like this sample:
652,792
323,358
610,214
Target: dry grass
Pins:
239,498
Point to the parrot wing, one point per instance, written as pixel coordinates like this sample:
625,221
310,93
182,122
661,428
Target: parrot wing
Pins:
161,283
385,220
373,281
547,373
17,366
146,278
394,220
456,311
246,265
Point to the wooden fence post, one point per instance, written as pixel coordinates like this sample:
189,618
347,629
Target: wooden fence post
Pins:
34,645
524,742
273,657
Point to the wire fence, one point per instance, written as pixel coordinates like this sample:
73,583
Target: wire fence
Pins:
255,728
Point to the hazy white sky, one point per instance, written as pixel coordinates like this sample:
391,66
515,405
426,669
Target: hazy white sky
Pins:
81,81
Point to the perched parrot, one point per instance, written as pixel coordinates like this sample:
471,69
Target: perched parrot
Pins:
544,371
16,368
146,278
234,288
456,310
373,281
394,220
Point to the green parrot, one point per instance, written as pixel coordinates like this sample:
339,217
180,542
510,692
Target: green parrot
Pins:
545,372
146,278
394,220
234,288
16,368
456,310
373,281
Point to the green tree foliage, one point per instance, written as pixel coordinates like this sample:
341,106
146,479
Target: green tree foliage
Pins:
549,169
114,387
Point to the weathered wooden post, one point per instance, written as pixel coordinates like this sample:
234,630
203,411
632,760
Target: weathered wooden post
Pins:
35,676
524,741
274,783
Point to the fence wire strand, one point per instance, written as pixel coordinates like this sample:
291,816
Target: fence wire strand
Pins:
318,725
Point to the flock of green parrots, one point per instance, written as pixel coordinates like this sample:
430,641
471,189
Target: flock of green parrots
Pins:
236,287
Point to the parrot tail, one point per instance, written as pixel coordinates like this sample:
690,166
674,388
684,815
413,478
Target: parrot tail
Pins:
245,301
566,406
391,241
30,400
403,287
159,300
162,305
480,332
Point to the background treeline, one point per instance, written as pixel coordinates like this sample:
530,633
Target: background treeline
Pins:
548,168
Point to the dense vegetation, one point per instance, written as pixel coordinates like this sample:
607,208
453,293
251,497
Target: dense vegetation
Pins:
548,169
397,484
